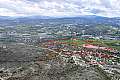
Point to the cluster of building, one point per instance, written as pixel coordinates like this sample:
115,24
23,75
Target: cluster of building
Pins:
90,57
22,35
86,54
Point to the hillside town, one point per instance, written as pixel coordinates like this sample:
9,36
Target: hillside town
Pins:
59,39
33,51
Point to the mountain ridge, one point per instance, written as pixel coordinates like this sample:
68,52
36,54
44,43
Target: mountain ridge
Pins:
88,19
49,17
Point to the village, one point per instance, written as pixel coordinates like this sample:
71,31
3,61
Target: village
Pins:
59,50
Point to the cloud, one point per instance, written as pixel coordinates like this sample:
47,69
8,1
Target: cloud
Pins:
109,8
96,11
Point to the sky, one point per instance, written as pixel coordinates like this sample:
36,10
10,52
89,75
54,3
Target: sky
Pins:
60,8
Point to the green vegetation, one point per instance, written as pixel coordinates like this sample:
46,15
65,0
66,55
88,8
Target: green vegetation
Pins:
112,43
74,42
106,43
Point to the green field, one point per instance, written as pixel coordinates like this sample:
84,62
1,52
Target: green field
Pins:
106,43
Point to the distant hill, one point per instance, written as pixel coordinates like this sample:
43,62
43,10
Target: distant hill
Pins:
89,19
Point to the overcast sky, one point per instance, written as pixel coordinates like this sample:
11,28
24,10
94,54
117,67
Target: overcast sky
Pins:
59,8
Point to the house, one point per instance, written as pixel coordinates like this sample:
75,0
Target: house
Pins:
86,36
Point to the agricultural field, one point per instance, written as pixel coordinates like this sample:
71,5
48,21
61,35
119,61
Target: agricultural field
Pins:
106,43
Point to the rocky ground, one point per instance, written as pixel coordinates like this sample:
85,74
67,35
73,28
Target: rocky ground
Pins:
23,62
